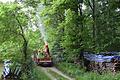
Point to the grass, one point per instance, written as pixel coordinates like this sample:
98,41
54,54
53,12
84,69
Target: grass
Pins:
40,75
80,74
70,69
57,76
1,69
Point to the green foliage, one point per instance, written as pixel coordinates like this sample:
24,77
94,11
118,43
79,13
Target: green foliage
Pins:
13,38
71,38
32,3
63,28
71,29
9,31
35,42
70,69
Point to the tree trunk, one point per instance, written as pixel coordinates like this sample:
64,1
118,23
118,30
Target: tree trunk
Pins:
25,42
94,24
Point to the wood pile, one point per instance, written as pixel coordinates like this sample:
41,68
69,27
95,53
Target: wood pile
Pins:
101,63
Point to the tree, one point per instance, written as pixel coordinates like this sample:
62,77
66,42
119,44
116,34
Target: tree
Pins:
69,32
13,29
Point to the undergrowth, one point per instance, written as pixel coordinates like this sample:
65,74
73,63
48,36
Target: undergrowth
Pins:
80,74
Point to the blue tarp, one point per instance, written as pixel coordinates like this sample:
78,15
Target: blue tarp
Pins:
102,57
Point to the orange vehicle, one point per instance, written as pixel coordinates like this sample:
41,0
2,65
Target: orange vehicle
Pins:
42,57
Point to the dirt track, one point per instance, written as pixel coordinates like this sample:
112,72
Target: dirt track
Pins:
46,69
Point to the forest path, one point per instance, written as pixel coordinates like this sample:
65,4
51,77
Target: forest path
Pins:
47,73
50,70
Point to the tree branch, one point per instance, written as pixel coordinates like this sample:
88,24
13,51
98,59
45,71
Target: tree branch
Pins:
21,28
90,4
23,36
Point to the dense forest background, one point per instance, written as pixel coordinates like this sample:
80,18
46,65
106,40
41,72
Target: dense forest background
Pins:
74,26
71,27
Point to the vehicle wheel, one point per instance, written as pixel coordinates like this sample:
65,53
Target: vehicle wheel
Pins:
51,64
